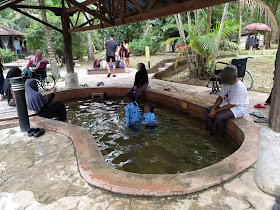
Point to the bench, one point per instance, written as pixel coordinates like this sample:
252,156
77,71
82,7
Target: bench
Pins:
91,70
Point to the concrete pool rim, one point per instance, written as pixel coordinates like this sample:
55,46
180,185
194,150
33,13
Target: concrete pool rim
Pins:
97,172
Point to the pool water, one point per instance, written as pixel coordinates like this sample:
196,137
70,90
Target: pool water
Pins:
177,145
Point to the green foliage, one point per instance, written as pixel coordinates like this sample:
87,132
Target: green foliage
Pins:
7,55
35,39
137,46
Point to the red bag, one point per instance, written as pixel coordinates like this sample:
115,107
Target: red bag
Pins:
96,64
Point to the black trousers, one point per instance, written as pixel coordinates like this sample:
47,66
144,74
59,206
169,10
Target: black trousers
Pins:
54,110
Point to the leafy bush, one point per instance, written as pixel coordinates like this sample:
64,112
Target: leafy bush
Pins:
137,46
7,55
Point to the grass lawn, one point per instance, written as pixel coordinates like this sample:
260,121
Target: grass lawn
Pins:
261,67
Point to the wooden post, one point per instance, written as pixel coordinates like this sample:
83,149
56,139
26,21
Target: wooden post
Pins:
67,38
274,114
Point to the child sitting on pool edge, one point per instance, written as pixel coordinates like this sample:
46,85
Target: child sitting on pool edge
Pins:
132,113
149,119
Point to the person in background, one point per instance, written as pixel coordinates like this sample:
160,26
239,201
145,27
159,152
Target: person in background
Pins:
257,42
43,106
233,102
247,42
13,72
37,64
126,54
121,50
132,113
1,79
111,47
148,118
141,82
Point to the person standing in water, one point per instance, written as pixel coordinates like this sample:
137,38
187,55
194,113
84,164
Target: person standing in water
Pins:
111,47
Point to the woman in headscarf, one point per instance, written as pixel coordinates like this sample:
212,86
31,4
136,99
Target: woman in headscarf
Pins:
1,79
141,82
13,72
43,107
37,63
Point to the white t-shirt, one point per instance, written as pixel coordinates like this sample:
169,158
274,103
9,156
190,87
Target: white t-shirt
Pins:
237,95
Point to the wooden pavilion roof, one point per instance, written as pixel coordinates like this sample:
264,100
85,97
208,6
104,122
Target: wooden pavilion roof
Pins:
6,31
97,14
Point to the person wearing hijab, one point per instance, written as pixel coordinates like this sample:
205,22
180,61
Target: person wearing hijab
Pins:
37,63
13,72
43,107
1,79
141,82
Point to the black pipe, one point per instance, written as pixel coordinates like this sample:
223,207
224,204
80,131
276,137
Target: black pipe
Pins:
19,91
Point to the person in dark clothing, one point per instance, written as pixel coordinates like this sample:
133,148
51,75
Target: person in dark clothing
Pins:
1,79
141,82
43,106
13,72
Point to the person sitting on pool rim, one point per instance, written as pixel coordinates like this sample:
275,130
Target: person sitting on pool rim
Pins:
232,102
141,81
43,107
148,118
132,113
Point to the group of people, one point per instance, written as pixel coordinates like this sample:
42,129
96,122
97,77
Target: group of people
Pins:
254,42
114,51
232,102
35,101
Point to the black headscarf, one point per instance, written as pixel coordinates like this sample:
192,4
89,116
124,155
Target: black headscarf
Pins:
13,72
141,77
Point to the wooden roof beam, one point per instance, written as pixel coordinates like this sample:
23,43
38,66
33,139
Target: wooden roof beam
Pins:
169,10
85,3
37,19
90,11
55,10
150,5
137,6
10,4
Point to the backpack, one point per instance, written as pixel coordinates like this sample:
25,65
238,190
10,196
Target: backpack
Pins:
121,64
96,64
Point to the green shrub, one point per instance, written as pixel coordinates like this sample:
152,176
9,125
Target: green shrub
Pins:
137,46
7,55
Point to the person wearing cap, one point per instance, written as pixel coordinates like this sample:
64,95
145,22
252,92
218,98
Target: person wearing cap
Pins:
232,102
111,47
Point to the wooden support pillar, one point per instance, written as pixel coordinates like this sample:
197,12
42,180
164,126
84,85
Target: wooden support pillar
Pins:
67,39
274,114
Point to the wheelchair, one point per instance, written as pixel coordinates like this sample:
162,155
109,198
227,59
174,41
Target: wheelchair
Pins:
243,74
44,80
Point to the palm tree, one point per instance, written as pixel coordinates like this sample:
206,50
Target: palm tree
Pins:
54,69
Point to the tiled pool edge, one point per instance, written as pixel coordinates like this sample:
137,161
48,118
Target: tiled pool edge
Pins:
97,172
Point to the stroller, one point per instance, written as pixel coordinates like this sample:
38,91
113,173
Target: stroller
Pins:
243,74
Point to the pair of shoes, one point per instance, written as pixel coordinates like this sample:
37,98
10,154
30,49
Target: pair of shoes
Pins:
167,89
259,106
84,85
109,74
100,84
261,119
36,132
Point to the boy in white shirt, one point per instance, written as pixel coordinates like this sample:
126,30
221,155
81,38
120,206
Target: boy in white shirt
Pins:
233,102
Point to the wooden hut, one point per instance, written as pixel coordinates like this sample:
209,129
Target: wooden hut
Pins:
13,40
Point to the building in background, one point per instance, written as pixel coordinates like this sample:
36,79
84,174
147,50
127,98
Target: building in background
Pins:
13,40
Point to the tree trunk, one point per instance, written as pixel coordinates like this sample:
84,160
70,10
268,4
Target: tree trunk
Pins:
179,23
218,40
240,22
189,20
54,70
209,12
273,7
274,114
90,51
197,21
267,40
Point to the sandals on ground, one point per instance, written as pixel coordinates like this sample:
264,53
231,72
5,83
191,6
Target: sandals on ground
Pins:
259,106
36,132
257,114
261,120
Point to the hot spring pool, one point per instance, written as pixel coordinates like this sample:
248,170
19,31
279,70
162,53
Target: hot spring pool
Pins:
177,145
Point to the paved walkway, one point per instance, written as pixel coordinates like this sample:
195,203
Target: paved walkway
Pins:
42,173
